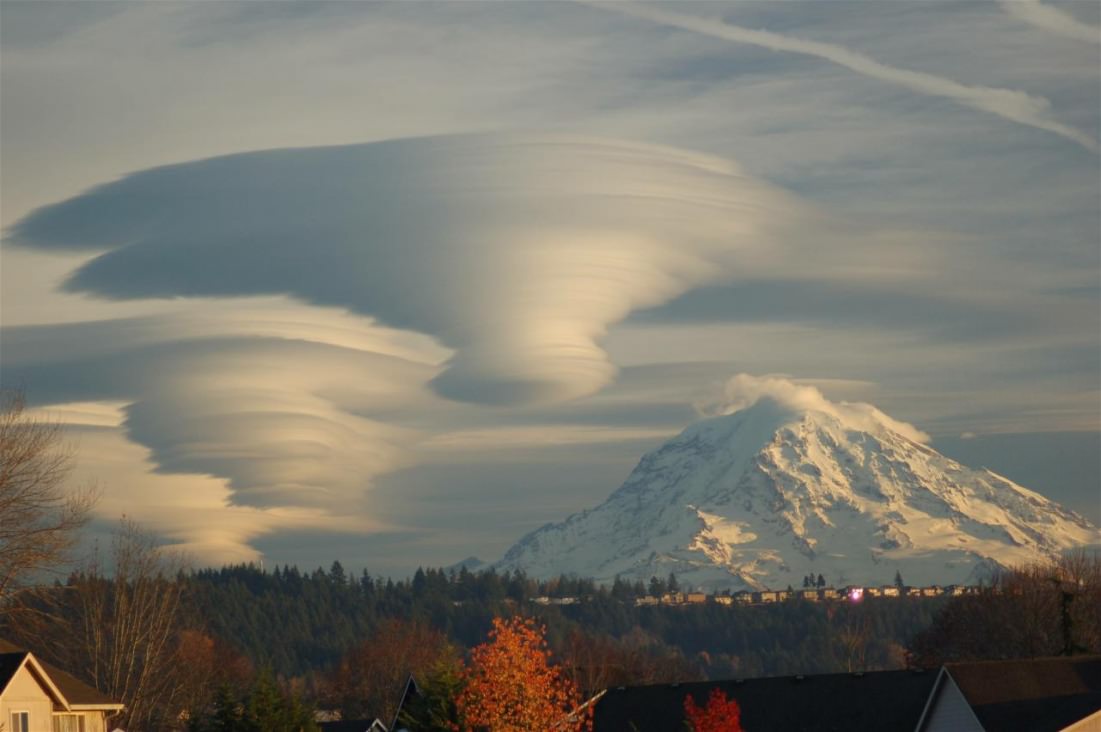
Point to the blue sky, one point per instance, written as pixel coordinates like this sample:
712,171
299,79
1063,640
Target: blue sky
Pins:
397,283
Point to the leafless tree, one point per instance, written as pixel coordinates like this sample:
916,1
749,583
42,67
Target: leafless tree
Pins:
120,630
595,662
39,515
1044,609
368,680
853,637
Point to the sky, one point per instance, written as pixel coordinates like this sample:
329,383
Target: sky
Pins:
396,283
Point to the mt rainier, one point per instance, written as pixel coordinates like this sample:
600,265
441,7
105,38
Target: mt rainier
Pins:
788,484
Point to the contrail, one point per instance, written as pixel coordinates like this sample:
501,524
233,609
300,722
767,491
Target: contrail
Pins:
1009,104
1052,19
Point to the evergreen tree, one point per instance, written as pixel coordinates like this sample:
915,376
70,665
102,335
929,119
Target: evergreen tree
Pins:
264,709
337,575
226,716
898,579
433,706
657,587
821,581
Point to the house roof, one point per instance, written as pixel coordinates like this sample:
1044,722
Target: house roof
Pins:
77,694
1037,694
353,725
10,663
881,700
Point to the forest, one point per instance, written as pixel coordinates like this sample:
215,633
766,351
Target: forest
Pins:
301,622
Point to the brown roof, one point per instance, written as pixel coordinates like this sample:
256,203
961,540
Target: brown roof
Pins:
73,689
1030,694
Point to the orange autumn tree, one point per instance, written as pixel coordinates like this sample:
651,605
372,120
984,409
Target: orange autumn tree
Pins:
720,714
510,685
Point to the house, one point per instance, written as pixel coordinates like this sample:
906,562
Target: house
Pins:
695,598
36,697
1033,695
724,599
881,700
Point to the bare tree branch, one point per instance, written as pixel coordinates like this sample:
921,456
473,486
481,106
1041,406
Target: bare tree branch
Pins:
40,517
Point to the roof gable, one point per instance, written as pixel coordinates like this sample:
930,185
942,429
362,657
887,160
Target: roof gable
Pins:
12,663
68,691
947,709
1037,695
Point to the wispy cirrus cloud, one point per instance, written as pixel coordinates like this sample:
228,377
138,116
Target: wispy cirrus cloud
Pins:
1052,19
1010,104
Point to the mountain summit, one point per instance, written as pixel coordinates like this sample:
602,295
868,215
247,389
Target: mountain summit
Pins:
788,484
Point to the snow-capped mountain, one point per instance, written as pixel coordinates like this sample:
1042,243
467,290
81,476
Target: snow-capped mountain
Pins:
792,484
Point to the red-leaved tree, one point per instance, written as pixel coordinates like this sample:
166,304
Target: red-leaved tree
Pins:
720,714
511,686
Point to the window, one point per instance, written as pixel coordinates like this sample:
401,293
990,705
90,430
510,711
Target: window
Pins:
68,723
20,722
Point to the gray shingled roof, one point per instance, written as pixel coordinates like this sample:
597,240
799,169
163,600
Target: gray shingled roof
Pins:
1033,695
880,700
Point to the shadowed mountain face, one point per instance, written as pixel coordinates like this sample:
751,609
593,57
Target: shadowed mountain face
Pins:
787,487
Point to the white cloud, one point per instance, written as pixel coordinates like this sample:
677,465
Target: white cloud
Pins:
1009,104
516,251
289,409
192,512
744,390
1052,19
160,84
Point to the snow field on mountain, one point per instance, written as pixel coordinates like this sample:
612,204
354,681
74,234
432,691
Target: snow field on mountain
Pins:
792,484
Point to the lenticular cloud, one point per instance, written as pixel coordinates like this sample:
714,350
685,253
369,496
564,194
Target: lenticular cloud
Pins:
516,251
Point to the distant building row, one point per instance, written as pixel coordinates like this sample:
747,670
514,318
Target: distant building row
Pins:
763,597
